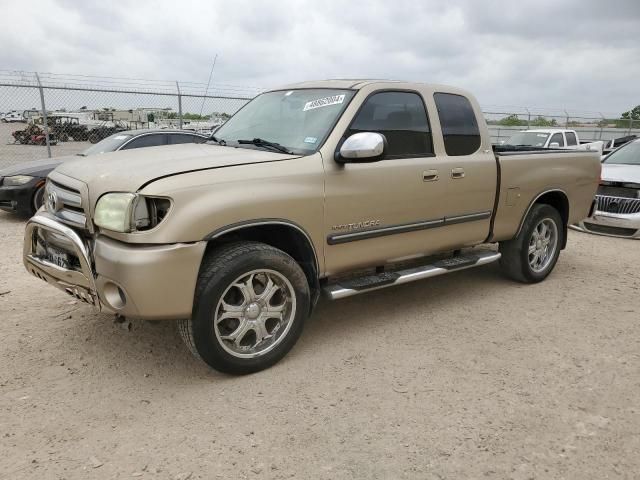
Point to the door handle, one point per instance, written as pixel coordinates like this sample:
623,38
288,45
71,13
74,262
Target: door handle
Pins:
430,175
457,173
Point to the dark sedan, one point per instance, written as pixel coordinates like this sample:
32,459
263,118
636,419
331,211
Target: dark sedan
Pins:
22,186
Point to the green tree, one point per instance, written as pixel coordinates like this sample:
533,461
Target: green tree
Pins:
543,122
512,121
633,114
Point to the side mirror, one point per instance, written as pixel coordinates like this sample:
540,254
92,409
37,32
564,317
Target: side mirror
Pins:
554,145
363,145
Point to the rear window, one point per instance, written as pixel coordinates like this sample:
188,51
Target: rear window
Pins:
571,138
459,124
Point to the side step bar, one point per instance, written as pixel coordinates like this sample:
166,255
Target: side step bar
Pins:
348,288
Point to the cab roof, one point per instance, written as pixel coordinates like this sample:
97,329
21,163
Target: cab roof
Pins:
359,83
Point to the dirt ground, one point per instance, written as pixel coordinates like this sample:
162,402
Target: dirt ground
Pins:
467,376
12,153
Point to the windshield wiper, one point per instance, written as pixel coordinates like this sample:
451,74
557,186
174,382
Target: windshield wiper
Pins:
259,142
221,142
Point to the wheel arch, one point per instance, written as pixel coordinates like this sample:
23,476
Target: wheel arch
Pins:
557,199
284,235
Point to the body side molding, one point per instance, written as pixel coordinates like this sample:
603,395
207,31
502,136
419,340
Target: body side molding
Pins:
338,238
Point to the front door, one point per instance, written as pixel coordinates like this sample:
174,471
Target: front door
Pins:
388,210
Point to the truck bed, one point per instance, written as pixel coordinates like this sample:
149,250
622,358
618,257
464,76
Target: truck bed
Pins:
526,173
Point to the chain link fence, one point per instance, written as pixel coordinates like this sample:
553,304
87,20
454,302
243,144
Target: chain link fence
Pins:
51,115
47,115
591,126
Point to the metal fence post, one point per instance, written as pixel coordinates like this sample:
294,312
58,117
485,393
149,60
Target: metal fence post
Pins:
602,124
179,106
528,118
44,115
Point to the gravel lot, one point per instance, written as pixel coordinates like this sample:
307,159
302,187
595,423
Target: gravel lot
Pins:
464,376
11,153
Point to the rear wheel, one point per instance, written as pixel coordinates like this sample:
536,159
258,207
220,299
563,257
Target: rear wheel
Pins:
533,254
250,306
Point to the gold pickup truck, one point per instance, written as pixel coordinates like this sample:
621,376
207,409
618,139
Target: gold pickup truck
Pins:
338,187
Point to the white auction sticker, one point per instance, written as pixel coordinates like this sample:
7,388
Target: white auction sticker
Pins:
323,102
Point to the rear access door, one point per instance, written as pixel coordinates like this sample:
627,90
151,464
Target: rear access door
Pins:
468,169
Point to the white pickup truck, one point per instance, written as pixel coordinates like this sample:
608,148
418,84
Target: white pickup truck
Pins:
552,138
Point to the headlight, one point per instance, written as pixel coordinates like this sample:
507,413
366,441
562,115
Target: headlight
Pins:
16,180
130,212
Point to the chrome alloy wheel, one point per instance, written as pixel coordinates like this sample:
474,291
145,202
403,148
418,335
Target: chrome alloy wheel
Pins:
543,244
255,313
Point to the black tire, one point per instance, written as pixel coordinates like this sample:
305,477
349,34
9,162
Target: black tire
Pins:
37,200
218,272
64,137
93,138
515,260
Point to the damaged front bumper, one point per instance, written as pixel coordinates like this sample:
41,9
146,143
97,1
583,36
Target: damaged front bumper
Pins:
132,280
80,282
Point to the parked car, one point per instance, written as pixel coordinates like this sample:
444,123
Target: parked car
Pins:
338,187
22,185
615,143
13,116
552,138
618,199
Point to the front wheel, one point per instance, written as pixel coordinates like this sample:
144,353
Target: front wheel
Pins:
38,200
532,255
250,307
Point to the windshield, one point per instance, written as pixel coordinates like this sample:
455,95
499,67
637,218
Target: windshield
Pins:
529,139
627,155
298,120
109,144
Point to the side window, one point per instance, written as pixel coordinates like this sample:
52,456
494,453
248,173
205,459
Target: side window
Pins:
557,137
175,138
571,138
459,124
402,118
152,140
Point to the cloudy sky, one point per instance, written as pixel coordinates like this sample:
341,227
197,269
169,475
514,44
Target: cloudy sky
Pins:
582,55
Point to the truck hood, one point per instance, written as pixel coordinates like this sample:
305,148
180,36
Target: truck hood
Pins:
613,172
129,170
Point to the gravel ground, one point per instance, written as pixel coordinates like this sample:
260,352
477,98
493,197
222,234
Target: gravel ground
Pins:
12,153
460,377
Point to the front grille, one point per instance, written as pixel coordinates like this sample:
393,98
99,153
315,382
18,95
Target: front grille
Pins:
66,204
621,232
623,192
620,205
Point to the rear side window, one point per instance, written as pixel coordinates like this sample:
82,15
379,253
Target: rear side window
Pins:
402,118
557,138
152,140
459,124
175,138
571,138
